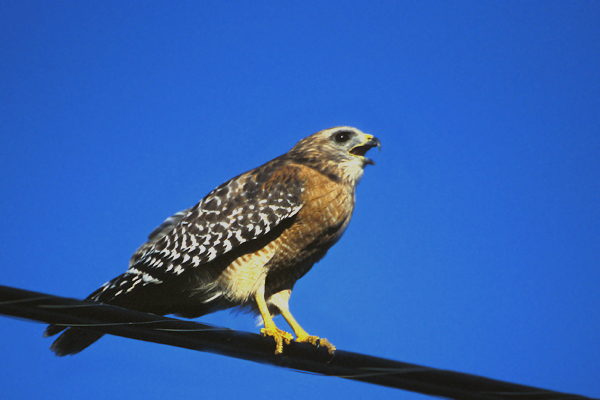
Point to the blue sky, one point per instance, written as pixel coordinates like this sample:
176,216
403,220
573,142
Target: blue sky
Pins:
475,242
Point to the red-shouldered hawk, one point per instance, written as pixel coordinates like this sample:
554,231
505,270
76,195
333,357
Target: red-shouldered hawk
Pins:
246,243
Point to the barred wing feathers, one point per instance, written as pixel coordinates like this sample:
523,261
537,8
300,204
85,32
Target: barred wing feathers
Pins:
243,209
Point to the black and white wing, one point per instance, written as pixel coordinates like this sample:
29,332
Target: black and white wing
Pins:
243,209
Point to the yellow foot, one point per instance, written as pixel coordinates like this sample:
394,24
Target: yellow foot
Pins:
279,336
316,341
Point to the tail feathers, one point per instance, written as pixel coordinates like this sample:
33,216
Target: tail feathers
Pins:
72,341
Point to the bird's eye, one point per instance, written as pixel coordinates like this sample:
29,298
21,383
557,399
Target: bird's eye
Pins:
342,137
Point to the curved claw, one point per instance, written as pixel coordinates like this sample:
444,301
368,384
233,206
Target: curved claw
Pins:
279,336
316,341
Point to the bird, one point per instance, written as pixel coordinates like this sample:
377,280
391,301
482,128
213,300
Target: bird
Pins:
246,243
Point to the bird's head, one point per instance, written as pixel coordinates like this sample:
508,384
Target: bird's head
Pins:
340,151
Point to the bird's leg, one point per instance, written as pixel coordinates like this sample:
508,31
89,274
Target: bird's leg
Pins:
280,300
270,328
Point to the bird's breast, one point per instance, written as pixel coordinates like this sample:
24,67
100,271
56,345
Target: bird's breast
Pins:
325,214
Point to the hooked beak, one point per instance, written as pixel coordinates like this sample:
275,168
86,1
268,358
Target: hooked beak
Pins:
362,149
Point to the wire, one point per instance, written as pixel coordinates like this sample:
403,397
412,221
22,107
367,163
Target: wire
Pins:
248,346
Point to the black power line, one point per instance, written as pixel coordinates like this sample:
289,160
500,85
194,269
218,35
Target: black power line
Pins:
248,346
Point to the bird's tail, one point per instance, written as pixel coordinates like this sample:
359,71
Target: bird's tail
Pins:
72,341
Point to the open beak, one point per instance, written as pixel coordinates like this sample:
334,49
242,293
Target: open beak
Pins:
362,149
